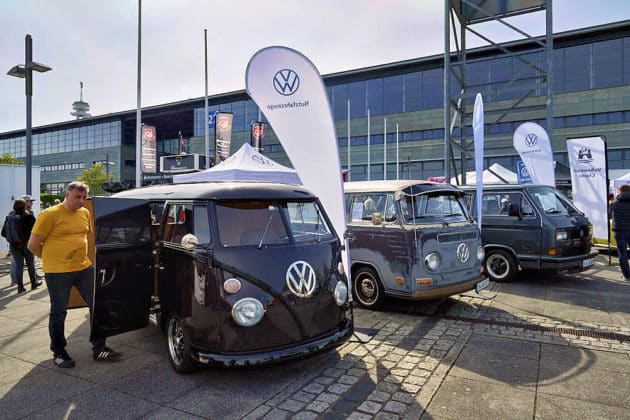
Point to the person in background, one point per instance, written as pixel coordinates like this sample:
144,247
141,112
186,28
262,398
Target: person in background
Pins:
620,214
57,201
29,202
22,221
60,238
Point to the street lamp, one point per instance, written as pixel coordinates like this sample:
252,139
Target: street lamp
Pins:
25,71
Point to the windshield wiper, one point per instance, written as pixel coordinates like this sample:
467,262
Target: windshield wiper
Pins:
265,231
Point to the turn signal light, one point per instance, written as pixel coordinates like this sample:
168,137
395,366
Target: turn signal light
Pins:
399,280
424,282
551,251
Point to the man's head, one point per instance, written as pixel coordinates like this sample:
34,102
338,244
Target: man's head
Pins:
29,200
625,188
75,195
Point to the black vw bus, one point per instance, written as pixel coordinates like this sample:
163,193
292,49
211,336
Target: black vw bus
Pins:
532,227
411,239
239,273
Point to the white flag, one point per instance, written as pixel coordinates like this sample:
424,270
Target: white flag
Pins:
532,144
478,139
587,158
289,90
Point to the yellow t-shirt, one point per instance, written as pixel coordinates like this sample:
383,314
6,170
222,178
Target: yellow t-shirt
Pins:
65,236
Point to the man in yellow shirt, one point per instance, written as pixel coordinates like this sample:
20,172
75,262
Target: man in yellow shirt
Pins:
60,238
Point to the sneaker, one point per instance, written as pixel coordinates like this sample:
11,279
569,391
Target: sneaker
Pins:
63,360
106,355
36,284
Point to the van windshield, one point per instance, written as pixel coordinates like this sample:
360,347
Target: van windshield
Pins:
434,207
552,202
263,223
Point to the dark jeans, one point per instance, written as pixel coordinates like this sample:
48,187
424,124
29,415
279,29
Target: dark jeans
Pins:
622,237
19,254
59,285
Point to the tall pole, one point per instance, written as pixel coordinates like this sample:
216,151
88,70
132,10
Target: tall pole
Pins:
139,104
28,64
349,171
385,149
368,147
397,162
447,89
205,99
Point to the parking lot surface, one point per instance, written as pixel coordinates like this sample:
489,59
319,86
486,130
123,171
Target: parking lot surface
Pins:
539,347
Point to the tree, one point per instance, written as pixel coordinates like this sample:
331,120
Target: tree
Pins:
7,158
95,176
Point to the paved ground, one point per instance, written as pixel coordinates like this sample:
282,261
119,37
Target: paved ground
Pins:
536,348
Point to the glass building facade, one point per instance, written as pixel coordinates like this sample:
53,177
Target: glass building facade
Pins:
591,85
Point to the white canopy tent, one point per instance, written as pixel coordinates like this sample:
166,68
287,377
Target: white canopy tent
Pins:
489,177
246,165
618,182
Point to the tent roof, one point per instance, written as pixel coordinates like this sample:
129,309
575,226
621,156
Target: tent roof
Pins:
245,165
506,176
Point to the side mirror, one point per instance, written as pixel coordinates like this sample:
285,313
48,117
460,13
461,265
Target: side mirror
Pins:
515,210
377,218
189,241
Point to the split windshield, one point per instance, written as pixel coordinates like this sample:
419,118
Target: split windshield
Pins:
263,223
434,207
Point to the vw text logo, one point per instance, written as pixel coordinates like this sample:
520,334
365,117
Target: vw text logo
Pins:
531,139
301,279
286,82
463,252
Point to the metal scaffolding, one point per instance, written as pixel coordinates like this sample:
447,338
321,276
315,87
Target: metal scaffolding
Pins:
519,95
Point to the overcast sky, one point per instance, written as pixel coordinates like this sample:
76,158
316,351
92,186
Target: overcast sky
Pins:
96,42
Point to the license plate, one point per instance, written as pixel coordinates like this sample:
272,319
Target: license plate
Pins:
588,262
482,285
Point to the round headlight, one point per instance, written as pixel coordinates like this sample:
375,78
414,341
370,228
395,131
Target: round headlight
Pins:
248,312
432,261
481,253
341,293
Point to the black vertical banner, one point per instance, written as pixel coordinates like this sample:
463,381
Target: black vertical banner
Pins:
258,135
148,162
222,136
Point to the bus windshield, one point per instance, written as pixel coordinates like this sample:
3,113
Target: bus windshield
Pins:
262,223
433,207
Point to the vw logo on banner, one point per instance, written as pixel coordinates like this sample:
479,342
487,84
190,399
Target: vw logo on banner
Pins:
301,279
522,174
286,82
531,139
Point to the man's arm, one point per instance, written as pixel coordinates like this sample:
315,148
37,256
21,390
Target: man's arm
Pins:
35,244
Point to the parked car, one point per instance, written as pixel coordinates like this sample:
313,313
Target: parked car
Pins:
411,239
239,273
531,227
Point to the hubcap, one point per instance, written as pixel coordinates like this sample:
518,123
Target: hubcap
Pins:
498,266
176,340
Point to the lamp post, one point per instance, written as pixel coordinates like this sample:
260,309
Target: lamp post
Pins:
25,71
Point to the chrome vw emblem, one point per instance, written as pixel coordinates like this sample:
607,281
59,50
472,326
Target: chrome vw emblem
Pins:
301,279
531,139
463,252
286,82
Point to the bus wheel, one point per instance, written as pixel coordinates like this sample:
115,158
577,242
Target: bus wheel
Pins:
367,288
500,265
178,345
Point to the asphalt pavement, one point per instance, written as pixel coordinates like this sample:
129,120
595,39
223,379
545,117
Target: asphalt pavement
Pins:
539,347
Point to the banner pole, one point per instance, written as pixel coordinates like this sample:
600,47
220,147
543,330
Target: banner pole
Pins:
397,160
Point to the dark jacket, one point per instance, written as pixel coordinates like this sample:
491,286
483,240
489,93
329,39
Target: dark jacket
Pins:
25,226
620,212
